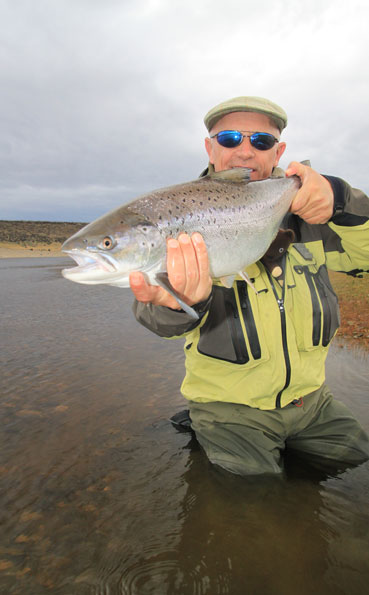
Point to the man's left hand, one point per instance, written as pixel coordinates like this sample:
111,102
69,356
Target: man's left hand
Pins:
315,200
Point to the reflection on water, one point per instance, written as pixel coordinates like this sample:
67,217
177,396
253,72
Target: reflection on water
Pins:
100,495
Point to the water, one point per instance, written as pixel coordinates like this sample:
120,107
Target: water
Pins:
101,495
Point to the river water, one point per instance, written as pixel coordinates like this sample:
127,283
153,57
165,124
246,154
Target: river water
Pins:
101,495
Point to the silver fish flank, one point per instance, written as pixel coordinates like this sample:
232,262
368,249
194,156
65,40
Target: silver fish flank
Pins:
237,218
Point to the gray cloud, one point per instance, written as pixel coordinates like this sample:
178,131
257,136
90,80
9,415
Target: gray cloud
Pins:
104,100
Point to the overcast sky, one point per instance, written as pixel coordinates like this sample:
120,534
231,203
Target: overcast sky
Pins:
102,100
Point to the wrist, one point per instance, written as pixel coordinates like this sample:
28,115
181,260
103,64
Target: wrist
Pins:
338,188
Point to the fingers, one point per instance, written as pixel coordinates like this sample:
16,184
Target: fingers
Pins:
188,273
188,267
297,169
204,282
143,292
314,201
153,294
181,264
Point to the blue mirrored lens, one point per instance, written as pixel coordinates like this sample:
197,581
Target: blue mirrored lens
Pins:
262,141
229,138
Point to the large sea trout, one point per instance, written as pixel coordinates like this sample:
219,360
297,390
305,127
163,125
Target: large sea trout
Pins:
237,218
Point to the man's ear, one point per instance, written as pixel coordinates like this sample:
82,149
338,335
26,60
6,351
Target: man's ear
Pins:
280,150
209,149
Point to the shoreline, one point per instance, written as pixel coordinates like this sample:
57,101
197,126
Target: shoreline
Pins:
13,250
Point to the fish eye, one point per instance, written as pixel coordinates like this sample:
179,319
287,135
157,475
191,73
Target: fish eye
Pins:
107,243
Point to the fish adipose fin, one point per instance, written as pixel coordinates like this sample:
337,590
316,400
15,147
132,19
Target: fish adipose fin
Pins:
246,278
163,281
236,174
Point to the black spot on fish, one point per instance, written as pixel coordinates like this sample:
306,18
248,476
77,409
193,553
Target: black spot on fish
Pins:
170,212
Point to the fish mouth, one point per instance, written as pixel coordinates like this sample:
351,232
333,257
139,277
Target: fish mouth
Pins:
90,266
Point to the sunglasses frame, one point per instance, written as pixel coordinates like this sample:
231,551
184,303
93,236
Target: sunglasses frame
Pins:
250,136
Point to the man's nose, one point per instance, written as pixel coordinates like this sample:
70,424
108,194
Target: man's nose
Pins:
245,149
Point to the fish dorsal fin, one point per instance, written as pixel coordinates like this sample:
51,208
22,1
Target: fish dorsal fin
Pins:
236,174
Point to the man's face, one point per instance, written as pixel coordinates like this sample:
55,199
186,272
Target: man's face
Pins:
245,155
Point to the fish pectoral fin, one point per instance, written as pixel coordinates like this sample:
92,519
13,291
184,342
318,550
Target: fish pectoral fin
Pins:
227,281
236,174
163,280
246,278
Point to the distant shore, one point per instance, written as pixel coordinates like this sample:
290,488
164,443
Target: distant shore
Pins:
21,239
13,250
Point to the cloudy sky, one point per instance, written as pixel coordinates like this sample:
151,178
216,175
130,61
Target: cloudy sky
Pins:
102,100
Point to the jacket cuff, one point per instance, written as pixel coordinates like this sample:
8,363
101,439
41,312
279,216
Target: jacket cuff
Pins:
338,187
201,307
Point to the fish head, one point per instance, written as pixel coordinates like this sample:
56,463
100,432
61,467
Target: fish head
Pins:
110,248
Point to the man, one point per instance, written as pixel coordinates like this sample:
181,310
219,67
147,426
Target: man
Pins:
255,362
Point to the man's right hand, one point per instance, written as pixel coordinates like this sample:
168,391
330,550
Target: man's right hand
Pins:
188,273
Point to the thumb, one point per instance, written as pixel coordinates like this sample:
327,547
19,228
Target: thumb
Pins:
297,169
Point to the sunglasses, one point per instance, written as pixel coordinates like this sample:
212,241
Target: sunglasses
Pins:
263,141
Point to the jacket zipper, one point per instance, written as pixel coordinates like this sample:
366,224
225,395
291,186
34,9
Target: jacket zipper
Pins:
326,310
249,319
317,314
280,302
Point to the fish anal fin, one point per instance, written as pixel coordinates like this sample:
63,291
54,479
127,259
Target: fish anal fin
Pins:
227,281
246,278
163,280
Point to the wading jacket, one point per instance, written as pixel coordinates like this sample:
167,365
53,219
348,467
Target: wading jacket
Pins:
267,349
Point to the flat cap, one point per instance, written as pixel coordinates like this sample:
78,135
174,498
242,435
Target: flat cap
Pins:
247,104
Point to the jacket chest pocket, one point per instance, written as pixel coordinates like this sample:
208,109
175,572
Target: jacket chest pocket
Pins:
231,332
315,307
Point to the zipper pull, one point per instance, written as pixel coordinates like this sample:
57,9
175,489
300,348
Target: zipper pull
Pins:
281,304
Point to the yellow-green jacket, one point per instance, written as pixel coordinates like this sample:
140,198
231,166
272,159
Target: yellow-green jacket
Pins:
267,349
